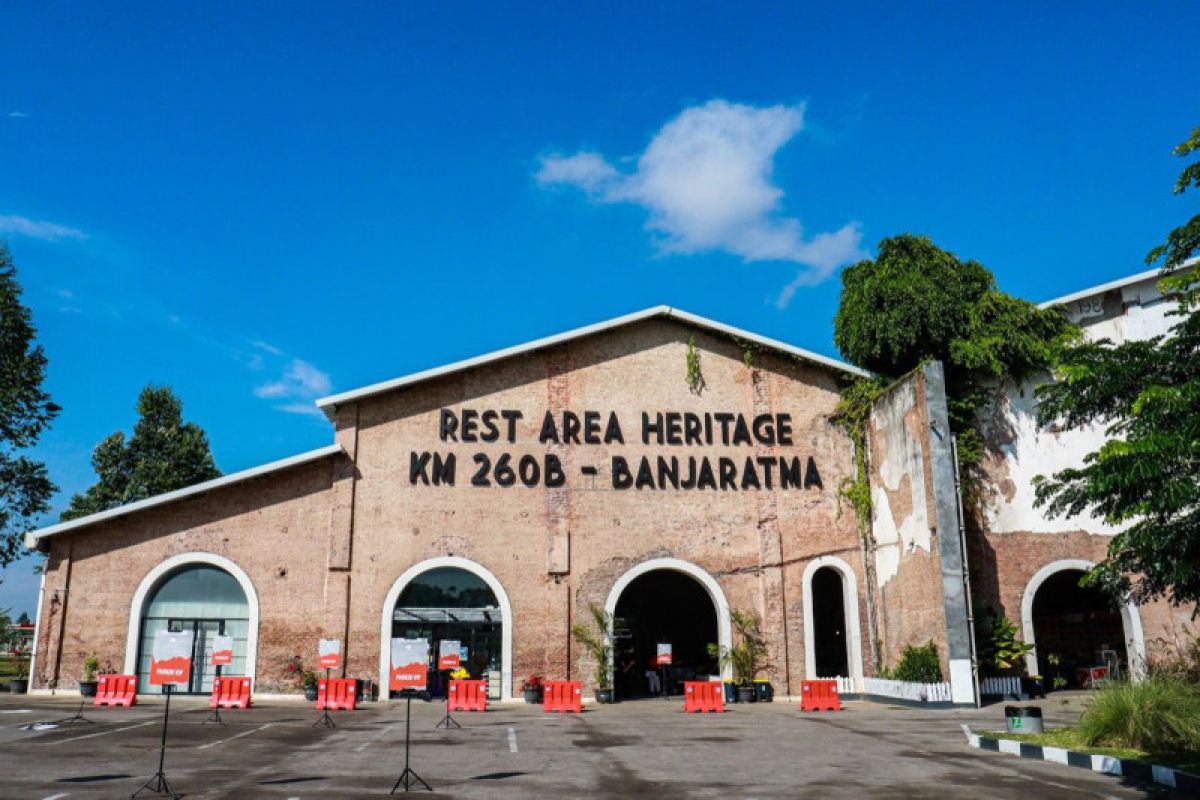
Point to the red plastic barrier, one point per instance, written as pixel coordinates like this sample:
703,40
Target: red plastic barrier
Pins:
703,696
230,691
468,695
116,690
819,696
336,694
562,697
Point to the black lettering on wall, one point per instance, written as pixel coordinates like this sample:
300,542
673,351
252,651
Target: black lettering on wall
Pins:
417,463
511,418
651,428
490,432
811,476
549,431
764,430
612,433
447,424
750,475
570,428
591,427
789,473
443,469
555,477
728,472
470,420
645,478
783,429
621,477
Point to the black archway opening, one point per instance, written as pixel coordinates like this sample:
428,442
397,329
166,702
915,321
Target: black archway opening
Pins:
663,605
452,603
829,624
1076,627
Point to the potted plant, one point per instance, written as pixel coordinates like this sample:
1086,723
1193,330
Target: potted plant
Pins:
532,687
599,645
747,657
20,684
303,679
87,686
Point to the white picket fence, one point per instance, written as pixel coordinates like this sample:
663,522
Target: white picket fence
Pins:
1001,685
905,690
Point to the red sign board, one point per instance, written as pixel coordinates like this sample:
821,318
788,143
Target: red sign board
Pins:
329,653
171,658
663,656
410,664
448,654
222,651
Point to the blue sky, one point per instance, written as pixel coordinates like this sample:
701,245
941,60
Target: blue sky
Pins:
261,205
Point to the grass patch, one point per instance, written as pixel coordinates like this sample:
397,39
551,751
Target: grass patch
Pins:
1073,739
1161,714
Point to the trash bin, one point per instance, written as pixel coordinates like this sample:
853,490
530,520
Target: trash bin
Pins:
1023,719
763,690
730,692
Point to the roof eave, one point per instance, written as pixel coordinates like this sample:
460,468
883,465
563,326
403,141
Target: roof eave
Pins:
329,404
32,538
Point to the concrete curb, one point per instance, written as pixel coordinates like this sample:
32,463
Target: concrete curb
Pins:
1109,765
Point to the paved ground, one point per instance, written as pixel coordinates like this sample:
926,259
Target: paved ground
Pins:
646,748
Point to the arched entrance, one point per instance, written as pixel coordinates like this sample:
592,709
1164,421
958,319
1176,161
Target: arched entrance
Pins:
201,594
829,617
671,601
452,598
832,637
1074,627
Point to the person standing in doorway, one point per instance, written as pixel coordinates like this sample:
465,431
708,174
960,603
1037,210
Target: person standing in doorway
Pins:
655,685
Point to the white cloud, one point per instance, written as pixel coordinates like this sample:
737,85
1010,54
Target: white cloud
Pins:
300,384
17,114
706,181
13,225
270,348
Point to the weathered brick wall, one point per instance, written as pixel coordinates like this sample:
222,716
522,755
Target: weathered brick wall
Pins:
904,524
745,539
275,528
324,543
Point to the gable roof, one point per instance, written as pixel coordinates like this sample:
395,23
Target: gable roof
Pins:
32,538
329,404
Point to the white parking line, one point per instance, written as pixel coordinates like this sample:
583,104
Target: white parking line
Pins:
231,738
105,733
512,740
374,738
55,796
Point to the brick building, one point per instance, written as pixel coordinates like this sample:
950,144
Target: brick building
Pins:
662,466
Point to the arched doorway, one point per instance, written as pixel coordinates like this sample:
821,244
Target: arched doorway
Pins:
452,598
203,600
829,620
832,636
1073,627
671,601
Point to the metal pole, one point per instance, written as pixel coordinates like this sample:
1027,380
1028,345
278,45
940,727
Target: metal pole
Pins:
162,746
966,573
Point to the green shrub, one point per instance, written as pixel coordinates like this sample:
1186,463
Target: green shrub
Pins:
1160,714
917,664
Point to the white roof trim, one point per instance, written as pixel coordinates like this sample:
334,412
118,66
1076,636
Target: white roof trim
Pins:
1119,283
327,404
31,538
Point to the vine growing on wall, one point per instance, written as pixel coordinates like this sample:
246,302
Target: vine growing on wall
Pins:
853,413
695,379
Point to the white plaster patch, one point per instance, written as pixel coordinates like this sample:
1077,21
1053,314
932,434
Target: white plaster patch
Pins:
902,457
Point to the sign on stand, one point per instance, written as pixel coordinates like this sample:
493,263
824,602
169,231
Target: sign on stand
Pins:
222,651
329,653
410,664
663,656
171,659
449,654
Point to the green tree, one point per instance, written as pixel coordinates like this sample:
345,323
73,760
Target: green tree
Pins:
25,412
915,302
163,454
1146,476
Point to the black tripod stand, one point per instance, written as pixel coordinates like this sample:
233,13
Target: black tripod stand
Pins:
158,783
325,719
409,778
79,717
448,721
215,716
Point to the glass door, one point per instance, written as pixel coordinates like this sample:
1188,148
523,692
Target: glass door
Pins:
203,631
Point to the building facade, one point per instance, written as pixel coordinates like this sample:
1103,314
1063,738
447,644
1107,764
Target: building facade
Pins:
662,467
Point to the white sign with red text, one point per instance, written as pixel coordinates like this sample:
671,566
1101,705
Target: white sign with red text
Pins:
410,664
171,658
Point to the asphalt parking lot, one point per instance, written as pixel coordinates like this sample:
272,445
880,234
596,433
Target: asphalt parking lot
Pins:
646,748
